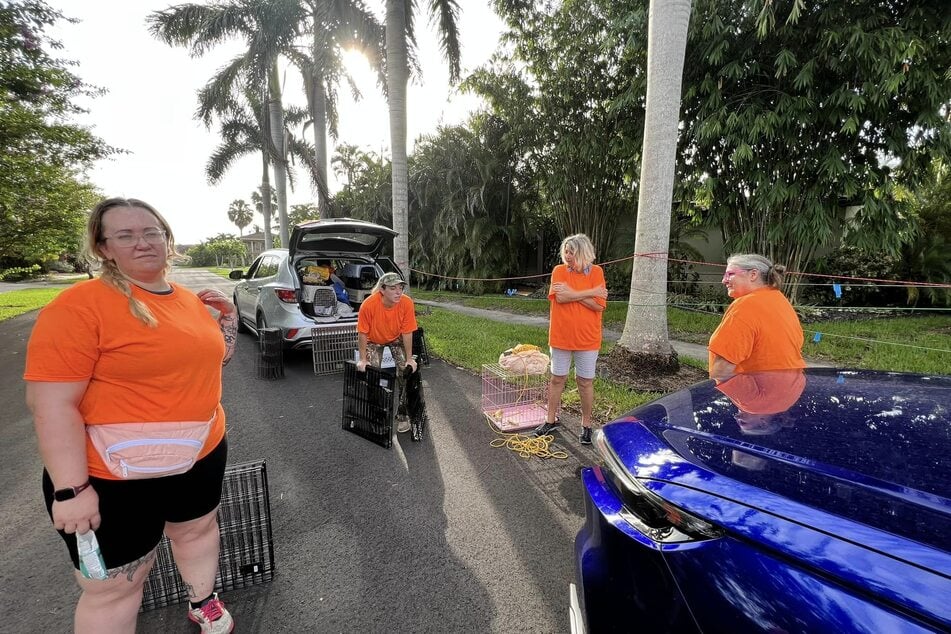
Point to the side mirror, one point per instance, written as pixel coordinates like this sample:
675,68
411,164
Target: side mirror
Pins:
236,275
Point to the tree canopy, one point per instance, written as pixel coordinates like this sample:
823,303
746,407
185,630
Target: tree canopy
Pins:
789,121
43,199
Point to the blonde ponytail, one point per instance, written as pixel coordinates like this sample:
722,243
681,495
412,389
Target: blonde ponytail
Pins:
112,276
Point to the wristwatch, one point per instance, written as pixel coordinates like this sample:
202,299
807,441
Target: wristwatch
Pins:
61,495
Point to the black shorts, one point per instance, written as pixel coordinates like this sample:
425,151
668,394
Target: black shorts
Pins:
134,512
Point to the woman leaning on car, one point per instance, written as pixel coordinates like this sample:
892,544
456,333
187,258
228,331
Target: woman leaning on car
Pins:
124,382
760,330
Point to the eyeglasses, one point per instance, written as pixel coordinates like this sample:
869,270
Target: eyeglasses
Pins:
129,239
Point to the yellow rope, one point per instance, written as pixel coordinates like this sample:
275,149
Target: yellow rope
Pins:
526,446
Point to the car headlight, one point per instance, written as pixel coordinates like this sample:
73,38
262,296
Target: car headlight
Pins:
645,510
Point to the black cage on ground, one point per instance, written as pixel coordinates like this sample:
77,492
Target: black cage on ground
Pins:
369,403
246,556
270,361
420,349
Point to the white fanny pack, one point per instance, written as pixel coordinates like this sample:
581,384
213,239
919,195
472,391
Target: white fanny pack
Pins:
135,451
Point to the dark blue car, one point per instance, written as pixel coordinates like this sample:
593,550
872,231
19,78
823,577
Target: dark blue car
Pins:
816,501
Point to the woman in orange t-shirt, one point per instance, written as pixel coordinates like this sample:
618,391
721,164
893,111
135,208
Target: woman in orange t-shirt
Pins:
577,297
124,382
760,330
387,319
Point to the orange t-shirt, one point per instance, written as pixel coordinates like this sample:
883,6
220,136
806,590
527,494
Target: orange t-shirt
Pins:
381,324
759,331
135,373
572,325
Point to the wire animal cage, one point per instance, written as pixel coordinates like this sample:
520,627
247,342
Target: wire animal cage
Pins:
246,555
513,402
332,347
270,361
420,349
369,403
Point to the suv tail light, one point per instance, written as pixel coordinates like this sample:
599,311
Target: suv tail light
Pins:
645,510
286,295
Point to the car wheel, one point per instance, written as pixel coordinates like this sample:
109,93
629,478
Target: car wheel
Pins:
237,313
260,323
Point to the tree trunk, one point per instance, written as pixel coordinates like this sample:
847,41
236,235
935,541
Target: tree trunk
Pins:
397,73
276,117
317,104
645,329
266,199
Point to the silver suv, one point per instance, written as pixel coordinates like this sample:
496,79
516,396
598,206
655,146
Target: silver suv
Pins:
319,281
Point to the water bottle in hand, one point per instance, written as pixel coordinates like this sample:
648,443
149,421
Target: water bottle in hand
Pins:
91,564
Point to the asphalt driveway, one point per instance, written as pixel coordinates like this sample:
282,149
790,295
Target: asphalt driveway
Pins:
446,535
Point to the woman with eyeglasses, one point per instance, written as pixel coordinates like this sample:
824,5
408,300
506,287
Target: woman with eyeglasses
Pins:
124,382
760,329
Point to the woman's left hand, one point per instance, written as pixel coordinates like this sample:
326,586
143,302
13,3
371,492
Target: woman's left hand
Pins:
217,300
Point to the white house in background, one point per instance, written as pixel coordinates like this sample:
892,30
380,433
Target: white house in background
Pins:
253,243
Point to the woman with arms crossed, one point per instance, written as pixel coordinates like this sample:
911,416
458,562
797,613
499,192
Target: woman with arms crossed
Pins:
578,296
132,362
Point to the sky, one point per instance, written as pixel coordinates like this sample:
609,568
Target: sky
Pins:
151,97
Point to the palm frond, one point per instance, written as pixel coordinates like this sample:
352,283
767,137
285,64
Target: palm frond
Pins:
446,13
224,157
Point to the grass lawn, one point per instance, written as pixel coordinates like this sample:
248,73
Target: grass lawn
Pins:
907,344
470,342
13,303
223,272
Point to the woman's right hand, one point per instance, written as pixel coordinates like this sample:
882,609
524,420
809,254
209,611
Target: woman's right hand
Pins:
79,515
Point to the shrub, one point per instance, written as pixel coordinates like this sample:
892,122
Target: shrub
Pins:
19,273
59,266
853,262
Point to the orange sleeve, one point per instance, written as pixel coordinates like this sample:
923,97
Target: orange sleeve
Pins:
64,345
734,337
598,273
558,274
364,317
407,315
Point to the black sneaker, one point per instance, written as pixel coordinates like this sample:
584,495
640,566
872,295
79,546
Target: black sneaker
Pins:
585,436
547,429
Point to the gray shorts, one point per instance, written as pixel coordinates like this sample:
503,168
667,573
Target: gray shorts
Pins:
585,361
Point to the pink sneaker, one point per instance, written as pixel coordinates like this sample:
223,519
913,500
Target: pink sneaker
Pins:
212,617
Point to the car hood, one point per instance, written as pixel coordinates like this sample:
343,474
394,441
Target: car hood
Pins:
339,237
871,447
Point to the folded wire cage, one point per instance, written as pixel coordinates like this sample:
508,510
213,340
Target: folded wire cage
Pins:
246,556
513,402
369,403
270,361
420,349
332,346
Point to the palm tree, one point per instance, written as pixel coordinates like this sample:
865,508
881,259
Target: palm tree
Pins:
645,328
269,28
262,203
240,215
245,129
400,39
333,26
347,161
